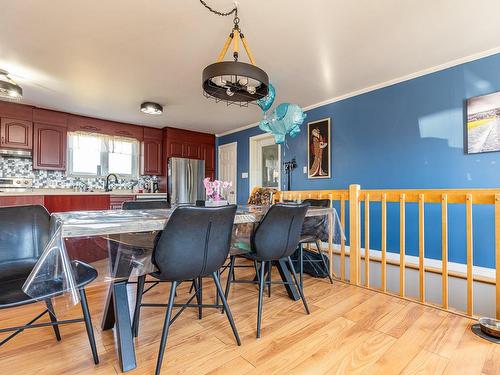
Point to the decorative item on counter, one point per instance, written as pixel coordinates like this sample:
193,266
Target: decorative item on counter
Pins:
285,119
216,192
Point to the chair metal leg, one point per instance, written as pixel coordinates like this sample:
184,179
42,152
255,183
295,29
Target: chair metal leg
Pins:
327,268
217,294
269,271
301,264
228,282
166,326
299,287
261,292
200,297
53,318
195,287
88,324
257,276
138,300
226,308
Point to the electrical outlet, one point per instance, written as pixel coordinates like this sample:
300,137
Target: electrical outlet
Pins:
244,175
304,169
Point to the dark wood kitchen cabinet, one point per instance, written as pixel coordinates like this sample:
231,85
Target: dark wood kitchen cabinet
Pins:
188,144
50,145
151,152
16,134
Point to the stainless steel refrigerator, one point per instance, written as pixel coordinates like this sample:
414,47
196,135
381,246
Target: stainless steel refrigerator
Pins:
185,180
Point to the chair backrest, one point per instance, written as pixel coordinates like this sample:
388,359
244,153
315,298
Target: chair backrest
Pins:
195,242
24,232
145,204
316,226
278,234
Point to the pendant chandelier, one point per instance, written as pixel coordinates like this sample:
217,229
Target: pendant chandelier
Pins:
234,82
8,88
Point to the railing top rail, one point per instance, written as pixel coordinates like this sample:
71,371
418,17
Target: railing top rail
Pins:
479,196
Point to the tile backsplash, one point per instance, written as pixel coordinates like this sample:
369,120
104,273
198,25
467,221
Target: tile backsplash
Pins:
21,167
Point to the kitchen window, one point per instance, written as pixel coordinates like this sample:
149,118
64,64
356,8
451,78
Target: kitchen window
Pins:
92,155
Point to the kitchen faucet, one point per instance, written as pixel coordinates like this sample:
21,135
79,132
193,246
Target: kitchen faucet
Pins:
106,185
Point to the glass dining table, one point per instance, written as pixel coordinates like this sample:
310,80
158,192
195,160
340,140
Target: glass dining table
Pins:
123,247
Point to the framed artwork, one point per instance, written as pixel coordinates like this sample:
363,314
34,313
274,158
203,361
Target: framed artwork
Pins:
318,149
483,124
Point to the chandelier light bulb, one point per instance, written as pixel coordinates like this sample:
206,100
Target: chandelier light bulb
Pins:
251,90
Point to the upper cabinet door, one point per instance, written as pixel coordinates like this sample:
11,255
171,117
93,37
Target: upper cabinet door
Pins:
17,134
175,149
209,156
49,151
151,162
191,150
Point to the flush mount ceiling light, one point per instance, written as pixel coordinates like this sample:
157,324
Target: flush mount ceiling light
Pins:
151,108
8,88
234,82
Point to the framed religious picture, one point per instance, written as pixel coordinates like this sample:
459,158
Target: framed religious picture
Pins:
318,149
483,123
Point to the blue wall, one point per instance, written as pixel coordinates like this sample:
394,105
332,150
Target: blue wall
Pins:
408,135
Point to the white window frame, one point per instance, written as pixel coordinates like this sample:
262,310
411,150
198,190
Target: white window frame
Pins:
104,158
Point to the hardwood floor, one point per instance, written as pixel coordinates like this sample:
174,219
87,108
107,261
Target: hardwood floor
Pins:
350,331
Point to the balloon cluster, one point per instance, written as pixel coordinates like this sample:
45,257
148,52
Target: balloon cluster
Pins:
285,119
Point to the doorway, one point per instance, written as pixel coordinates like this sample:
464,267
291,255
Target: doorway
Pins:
265,162
227,168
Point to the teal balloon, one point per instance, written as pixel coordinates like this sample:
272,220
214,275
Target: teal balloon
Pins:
267,101
285,119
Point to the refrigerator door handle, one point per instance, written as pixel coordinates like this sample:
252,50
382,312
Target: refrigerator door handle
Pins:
190,180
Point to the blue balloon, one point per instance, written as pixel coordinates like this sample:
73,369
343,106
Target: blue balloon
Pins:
267,101
285,119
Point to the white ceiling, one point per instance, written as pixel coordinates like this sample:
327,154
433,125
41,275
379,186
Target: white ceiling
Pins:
103,58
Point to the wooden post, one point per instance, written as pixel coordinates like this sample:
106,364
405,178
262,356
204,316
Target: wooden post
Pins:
497,251
421,246
383,263
330,237
444,250
367,240
468,227
354,233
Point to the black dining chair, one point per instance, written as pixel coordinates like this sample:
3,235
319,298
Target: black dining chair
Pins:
314,231
194,244
24,232
276,237
145,204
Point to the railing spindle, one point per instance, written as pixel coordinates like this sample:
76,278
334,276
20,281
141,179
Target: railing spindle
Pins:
402,237
444,250
354,234
421,247
468,209
383,263
367,240
497,252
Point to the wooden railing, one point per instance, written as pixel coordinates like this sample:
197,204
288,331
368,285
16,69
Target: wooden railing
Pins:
354,197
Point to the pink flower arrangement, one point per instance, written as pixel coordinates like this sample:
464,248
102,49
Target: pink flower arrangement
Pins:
215,189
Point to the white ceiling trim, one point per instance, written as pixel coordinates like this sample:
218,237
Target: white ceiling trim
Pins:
381,85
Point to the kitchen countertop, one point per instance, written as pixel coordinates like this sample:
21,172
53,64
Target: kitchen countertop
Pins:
72,192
